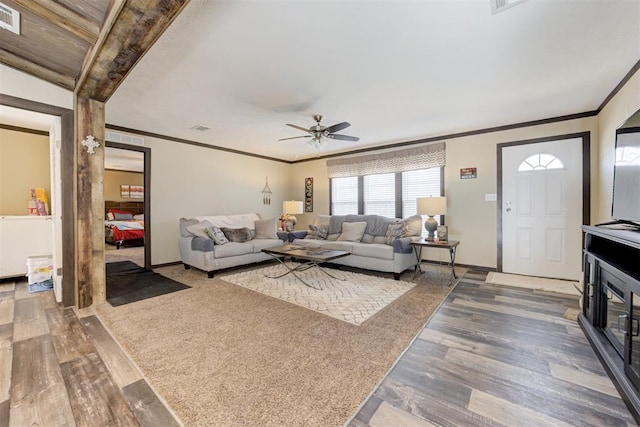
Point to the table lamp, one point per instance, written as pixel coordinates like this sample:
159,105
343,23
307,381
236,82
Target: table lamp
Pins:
290,208
431,206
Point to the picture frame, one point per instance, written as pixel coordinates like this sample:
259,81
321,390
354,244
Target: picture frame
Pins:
125,191
443,232
136,191
308,194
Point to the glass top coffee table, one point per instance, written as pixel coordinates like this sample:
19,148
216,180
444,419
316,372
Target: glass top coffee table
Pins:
310,257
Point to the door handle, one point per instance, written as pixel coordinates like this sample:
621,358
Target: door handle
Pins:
637,329
625,317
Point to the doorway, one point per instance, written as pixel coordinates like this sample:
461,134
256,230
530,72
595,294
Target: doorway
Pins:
127,187
543,191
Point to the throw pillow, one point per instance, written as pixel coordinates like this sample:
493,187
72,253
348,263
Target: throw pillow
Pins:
395,231
184,223
216,235
122,216
414,226
266,229
352,231
198,228
317,232
238,235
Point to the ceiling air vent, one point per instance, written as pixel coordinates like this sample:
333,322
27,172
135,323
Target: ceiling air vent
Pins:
500,5
200,128
9,19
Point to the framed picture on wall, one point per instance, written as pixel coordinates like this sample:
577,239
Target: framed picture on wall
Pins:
308,194
136,191
124,191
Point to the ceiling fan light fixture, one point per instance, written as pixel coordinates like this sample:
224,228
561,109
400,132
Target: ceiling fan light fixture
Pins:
319,134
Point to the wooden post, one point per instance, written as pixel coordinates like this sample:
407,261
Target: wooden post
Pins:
90,261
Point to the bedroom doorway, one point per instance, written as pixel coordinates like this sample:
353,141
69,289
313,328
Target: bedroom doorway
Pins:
127,204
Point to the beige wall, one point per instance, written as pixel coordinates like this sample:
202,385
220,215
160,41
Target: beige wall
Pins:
22,85
113,179
189,181
615,113
470,219
24,164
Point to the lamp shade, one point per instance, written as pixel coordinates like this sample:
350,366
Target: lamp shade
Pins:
432,206
292,207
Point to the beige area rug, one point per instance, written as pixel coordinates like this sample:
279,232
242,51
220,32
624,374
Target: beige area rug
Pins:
538,283
223,355
349,296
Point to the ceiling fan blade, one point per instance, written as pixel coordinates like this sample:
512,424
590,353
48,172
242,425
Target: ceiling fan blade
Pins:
294,137
337,127
299,127
343,137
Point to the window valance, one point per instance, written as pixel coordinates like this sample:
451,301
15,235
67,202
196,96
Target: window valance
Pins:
422,157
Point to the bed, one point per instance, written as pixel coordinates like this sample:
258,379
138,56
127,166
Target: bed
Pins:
124,223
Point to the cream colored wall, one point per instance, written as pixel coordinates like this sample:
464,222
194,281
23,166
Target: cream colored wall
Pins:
615,113
189,181
113,179
470,219
24,164
22,85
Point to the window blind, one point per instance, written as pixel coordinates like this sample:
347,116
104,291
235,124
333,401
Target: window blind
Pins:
344,195
419,183
379,195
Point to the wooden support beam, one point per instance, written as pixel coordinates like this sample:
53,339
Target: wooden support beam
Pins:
36,70
64,18
137,27
90,271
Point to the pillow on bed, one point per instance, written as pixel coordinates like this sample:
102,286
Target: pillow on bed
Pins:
110,216
139,217
239,235
122,216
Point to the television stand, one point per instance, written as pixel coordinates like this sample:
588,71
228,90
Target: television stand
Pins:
610,315
631,225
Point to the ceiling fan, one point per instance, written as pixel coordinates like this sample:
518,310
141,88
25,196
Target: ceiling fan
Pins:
319,134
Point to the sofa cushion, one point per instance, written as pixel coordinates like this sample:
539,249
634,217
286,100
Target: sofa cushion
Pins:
352,231
380,239
238,235
216,235
198,229
184,223
232,249
335,246
260,244
367,238
266,229
373,250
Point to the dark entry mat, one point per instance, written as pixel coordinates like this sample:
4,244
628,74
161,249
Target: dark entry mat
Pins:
128,282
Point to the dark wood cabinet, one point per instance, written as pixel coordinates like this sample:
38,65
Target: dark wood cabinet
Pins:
610,314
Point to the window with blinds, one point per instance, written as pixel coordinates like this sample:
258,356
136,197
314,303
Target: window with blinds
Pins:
344,195
419,183
379,194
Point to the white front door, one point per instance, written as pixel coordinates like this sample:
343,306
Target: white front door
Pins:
542,209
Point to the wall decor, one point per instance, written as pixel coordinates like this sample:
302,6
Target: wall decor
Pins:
443,233
266,193
91,143
308,194
136,191
468,173
124,191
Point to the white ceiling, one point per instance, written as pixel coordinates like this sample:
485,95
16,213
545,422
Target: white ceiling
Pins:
396,70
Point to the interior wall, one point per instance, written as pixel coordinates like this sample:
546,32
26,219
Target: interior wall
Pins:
188,181
113,179
24,164
470,218
22,85
613,115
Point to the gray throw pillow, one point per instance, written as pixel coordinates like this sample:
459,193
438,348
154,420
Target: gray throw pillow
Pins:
266,229
395,231
352,231
122,217
238,235
317,232
216,235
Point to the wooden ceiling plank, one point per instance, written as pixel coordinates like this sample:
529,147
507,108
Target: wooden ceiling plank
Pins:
64,18
137,27
36,70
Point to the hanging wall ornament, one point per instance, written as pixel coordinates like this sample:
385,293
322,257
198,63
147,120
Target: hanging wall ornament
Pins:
266,193
91,144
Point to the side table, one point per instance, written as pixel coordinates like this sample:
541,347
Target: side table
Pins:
451,245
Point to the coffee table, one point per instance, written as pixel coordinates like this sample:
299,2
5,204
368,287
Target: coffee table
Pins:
312,257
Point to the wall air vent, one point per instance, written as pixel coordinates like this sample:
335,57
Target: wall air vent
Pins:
9,19
500,5
124,139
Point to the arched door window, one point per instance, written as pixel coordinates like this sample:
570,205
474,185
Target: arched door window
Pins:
539,162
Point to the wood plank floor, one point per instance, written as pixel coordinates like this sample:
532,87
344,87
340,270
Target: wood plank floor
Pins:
497,356
58,369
